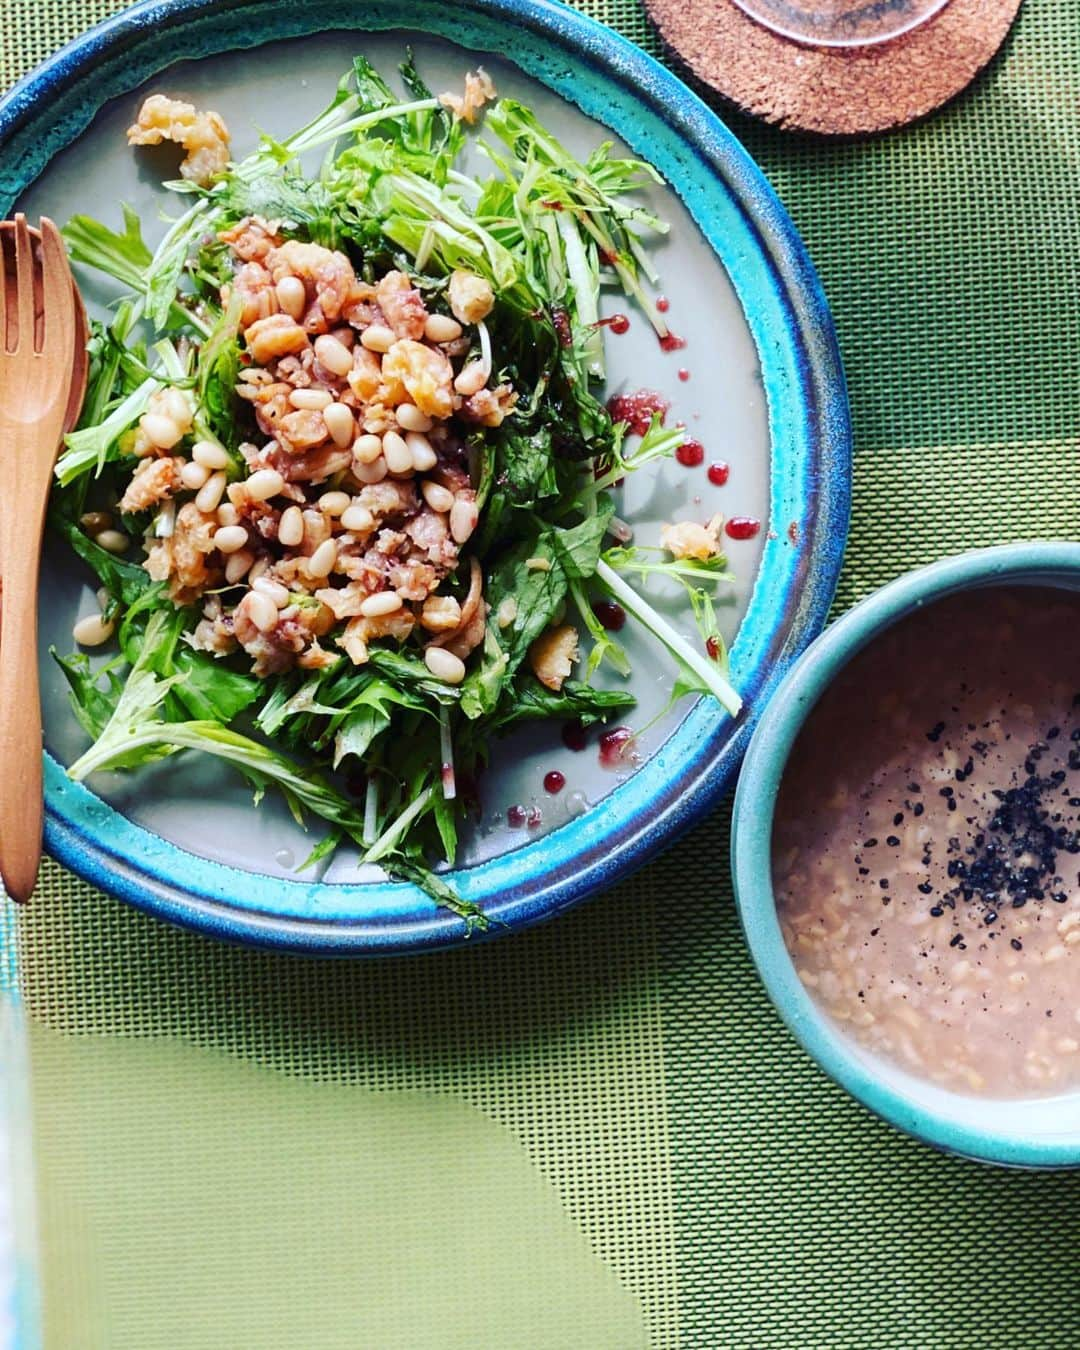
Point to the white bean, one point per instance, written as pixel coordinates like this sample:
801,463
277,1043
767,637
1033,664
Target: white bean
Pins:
93,630
160,430
463,519
437,497
238,565
291,527
358,519
377,338
261,610
112,541
193,475
334,503
210,493
209,455
444,665
333,354
472,379
410,418
339,423
367,448
423,456
441,328
230,538
384,602
321,563
397,454
312,400
374,472
264,484
291,296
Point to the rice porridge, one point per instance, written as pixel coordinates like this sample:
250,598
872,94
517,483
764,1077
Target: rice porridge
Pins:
926,851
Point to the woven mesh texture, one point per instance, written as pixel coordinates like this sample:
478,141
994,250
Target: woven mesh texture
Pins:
742,1197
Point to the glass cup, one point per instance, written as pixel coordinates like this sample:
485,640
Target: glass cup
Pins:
841,23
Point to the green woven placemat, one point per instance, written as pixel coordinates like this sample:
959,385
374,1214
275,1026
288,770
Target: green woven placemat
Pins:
698,1182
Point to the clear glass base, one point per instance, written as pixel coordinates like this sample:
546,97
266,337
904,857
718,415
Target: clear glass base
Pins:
841,23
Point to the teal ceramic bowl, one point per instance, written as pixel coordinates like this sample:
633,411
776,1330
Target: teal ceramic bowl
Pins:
1036,1133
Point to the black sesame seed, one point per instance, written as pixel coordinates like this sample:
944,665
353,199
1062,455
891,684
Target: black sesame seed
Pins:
956,941
936,911
1016,944
892,841
934,734
925,888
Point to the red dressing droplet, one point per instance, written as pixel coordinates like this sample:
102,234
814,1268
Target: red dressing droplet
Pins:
616,747
554,782
533,818
663,304
618,323
671,342
713,648
516,817
719,473
637,410
574,736
742,527
611,615
684,374
690,454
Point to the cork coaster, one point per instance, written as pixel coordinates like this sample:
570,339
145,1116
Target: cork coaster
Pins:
833,91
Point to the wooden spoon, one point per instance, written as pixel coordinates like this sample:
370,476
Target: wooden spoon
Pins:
43,369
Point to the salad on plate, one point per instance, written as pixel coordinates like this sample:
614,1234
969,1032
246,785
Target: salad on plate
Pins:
344,472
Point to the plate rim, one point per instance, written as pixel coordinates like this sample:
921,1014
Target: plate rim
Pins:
823,410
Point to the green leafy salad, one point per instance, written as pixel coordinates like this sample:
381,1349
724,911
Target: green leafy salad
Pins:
344,474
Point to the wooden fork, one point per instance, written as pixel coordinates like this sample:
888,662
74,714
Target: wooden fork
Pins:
38,322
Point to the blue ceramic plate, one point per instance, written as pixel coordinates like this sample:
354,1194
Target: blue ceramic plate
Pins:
765,393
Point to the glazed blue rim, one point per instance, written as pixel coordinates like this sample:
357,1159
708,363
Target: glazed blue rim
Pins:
614,82
751,848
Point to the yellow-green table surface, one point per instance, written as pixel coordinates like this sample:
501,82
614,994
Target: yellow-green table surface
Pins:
598,1134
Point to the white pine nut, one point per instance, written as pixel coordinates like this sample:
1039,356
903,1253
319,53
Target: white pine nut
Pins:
193,475
259,568
113,541
441,328
291,296
209,495
374,472
410,418
264,484
339,423
384,602
358,519
437,497
472,379
367,448
332,354
230,538
444,665
210,456
238,565
423,456
377,338
261,610
397,454
92,631
321,563
507,612
174,404
463,519
291,527
333,503
310,399
102,596
227,514
278,593
160,430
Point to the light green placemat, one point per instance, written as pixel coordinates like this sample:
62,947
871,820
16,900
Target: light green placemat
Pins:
614,1141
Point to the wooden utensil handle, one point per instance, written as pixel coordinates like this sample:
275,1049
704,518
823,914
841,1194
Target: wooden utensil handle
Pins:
21,806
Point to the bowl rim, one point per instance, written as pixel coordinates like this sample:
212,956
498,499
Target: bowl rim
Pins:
752,826
809,389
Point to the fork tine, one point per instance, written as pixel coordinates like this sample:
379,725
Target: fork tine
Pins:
58,293
24,283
